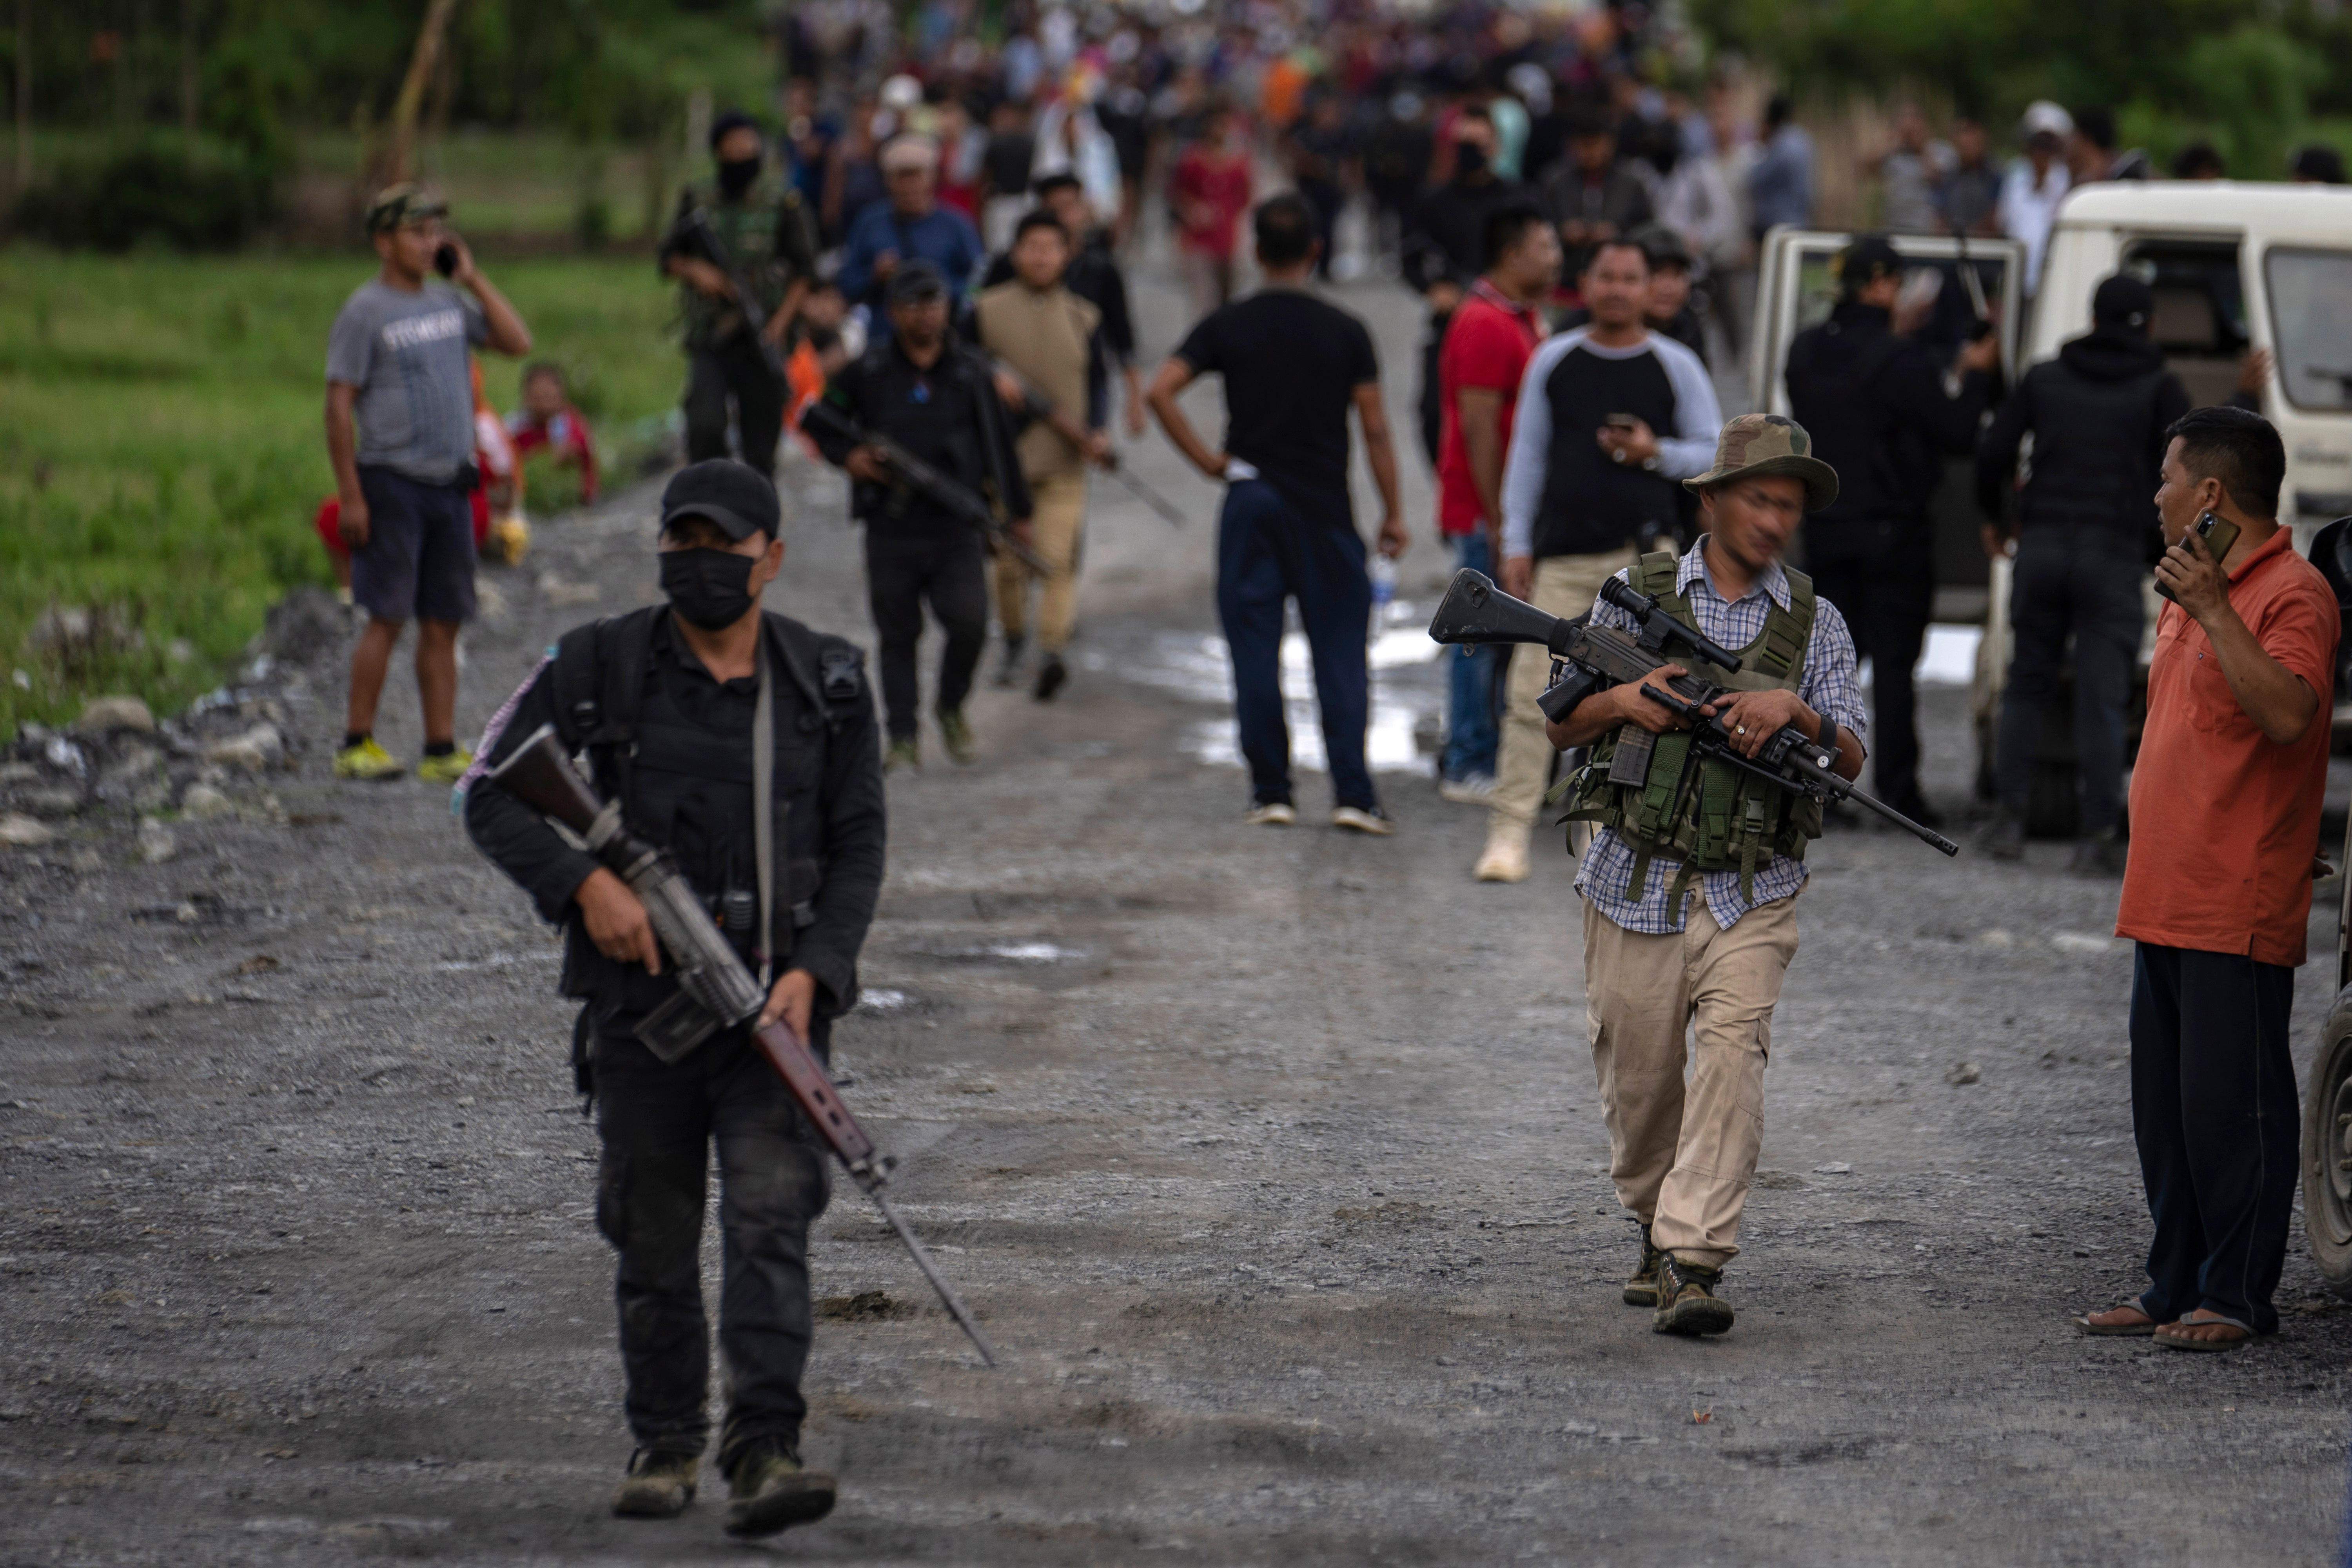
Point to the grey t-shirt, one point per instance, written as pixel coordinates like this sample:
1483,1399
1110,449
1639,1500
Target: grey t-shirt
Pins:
406,356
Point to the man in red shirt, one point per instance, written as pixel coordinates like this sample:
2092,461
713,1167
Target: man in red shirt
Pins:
1494,332
1207,196
2225,800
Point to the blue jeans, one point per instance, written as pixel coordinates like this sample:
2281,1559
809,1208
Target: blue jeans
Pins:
1269,551
1471,730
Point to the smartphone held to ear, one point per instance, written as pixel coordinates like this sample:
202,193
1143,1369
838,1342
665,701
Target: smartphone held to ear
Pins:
445,259
2219,535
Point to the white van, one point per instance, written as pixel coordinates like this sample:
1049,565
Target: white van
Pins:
2234,267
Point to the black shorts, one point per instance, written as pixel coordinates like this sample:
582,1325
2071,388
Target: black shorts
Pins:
418,562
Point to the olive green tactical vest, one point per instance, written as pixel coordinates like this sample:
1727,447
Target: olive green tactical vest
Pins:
770,241
1703,813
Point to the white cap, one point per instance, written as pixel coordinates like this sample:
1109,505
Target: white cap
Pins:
2043,115
912,150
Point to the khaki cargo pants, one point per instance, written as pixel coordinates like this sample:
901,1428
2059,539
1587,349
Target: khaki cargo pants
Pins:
1564,585
1057,520
1682,1154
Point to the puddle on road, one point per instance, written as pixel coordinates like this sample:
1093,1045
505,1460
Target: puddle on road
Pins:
1009,952
1408,697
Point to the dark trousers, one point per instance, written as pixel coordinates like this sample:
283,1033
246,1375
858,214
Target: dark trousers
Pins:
1887,601
658,1124
735,368
2213,1111
2085,581
1267,552
945,570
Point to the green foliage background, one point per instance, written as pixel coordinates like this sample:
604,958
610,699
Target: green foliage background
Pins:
2252,76
161,450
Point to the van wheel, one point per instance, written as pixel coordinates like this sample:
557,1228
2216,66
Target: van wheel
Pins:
2327,1151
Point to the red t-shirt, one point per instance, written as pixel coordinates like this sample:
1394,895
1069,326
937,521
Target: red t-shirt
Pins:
2224,822
1220,184
1486,348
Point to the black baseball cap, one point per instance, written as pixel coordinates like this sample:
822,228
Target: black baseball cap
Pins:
730,494
2123,300
1864,261
917,279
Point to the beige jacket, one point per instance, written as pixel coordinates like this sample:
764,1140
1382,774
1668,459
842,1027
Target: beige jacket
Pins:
1044,337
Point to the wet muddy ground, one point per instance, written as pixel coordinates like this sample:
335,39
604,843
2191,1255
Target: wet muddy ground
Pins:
1272,1160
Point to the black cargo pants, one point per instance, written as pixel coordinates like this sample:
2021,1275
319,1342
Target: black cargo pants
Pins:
658,1124
2084,580
734,367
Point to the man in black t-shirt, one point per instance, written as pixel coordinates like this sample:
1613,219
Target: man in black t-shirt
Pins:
1293,366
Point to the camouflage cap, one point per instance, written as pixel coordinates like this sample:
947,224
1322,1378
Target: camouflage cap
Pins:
1769,443
402,204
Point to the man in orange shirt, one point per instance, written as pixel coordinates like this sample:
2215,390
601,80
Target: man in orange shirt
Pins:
2225,803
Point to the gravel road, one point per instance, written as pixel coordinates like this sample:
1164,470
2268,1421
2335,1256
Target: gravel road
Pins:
1273,1161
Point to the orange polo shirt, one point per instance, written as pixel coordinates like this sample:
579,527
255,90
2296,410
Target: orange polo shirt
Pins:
2224,821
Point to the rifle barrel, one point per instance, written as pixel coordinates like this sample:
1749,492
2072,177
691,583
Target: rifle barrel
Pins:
947,1298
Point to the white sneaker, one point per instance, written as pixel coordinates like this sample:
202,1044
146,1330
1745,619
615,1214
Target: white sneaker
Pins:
1270,814
1504,859
1470,789
1363,819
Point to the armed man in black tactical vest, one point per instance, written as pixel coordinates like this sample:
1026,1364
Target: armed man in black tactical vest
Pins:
1690,884
923,389
767,239
685,710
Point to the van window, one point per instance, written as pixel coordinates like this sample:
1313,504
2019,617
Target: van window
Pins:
2311,321
2200,311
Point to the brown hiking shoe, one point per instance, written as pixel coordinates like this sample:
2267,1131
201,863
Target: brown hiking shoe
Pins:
658,1485
1687,1303
771,1492
1642,1290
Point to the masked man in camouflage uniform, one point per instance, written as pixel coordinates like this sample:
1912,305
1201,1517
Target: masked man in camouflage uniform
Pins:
764,228
1690,884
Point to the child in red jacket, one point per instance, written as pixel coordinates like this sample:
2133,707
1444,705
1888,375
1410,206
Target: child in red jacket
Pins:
547,419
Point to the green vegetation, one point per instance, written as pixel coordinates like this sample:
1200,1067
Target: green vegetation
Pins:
2254,80
161,452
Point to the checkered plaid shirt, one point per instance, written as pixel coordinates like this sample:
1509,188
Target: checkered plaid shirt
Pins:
1828,685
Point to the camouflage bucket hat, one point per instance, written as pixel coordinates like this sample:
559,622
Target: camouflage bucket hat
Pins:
1769,443
402,204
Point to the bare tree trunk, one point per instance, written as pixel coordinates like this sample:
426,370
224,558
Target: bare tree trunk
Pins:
188,76
24,93
412,89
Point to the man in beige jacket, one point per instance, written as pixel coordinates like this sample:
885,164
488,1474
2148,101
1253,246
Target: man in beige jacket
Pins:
1044,339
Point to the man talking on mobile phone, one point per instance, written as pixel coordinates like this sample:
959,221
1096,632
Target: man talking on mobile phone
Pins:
400,436
2225,801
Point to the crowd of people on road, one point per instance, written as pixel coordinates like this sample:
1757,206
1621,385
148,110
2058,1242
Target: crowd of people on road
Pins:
926,281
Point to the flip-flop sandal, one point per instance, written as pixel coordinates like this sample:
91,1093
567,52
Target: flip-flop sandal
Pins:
2174,1343
2146,1326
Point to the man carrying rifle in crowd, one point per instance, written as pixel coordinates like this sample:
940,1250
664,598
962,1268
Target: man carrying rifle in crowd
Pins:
1050,342
1691,881
929,394
742,232
672,704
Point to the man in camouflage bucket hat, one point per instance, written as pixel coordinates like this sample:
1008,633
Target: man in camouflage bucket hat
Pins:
1691,881
1756,444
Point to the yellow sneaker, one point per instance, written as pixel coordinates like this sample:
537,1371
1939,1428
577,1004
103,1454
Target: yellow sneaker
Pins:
366,761
447,769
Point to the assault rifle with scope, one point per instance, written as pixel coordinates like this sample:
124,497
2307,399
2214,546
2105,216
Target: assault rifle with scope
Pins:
716,990
1586,659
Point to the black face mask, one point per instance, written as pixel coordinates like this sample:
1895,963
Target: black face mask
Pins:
736,175
708,588
1469,159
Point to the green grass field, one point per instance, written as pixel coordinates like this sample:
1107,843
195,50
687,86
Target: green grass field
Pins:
160,447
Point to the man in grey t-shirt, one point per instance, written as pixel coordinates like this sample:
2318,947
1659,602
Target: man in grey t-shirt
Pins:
400,433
